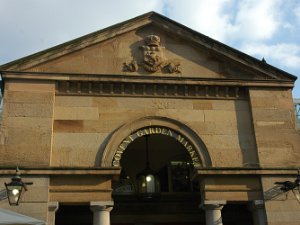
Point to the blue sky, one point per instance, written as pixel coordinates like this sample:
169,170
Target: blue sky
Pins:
261,28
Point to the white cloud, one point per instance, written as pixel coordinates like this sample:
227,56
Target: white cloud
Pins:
208,17
33,25
231,20
296,12
285,55
258,20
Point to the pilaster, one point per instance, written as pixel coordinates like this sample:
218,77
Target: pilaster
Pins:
213,214
258,212
52,208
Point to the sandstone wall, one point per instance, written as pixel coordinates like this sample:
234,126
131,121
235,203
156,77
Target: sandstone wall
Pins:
82,125
26,128
231,188
278,143
278,146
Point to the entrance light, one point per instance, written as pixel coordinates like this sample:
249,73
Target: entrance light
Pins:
16,188
148,186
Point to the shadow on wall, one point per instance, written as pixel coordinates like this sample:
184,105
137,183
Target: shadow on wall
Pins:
246,134
101,149
297,113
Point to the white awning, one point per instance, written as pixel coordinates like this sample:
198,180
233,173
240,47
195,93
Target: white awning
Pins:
12,218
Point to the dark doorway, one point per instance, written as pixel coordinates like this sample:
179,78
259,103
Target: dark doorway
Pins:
179,196
236,214
167,157
74,215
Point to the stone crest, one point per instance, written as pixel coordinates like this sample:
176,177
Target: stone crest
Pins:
153,60
152,53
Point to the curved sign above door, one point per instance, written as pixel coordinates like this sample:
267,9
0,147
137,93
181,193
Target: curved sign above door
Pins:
156,130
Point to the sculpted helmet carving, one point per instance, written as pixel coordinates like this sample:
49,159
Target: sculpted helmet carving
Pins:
152,40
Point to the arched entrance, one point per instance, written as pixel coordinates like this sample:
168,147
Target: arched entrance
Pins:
179,193
174,151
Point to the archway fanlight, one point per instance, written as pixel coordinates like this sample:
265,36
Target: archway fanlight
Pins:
148,186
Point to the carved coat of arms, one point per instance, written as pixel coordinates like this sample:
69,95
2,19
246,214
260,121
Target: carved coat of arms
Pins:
152,58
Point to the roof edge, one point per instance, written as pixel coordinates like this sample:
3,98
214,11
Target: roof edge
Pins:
74,41
80,77
214,44
195,36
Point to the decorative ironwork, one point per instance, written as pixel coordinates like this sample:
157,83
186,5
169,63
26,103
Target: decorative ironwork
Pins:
281,188
297,109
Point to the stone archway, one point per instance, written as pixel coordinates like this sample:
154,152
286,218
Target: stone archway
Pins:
172,146
155,125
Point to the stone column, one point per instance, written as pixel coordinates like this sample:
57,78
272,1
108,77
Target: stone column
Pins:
52,208
258,212
213,214
101,212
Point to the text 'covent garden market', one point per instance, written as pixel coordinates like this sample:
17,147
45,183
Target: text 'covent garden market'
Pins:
148,122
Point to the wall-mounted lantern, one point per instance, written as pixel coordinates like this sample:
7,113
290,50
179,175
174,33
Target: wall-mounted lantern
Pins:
294,186
283,188
148,186
16,188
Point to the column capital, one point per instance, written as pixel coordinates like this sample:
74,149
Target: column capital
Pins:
213,205
101,206
52,206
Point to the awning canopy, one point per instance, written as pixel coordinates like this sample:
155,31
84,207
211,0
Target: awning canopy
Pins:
12,218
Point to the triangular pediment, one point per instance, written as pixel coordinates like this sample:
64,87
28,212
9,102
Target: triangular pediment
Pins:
152,45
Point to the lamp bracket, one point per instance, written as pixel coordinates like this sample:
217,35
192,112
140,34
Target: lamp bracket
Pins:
282,188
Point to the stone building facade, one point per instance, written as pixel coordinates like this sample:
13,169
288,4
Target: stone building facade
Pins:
220,127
